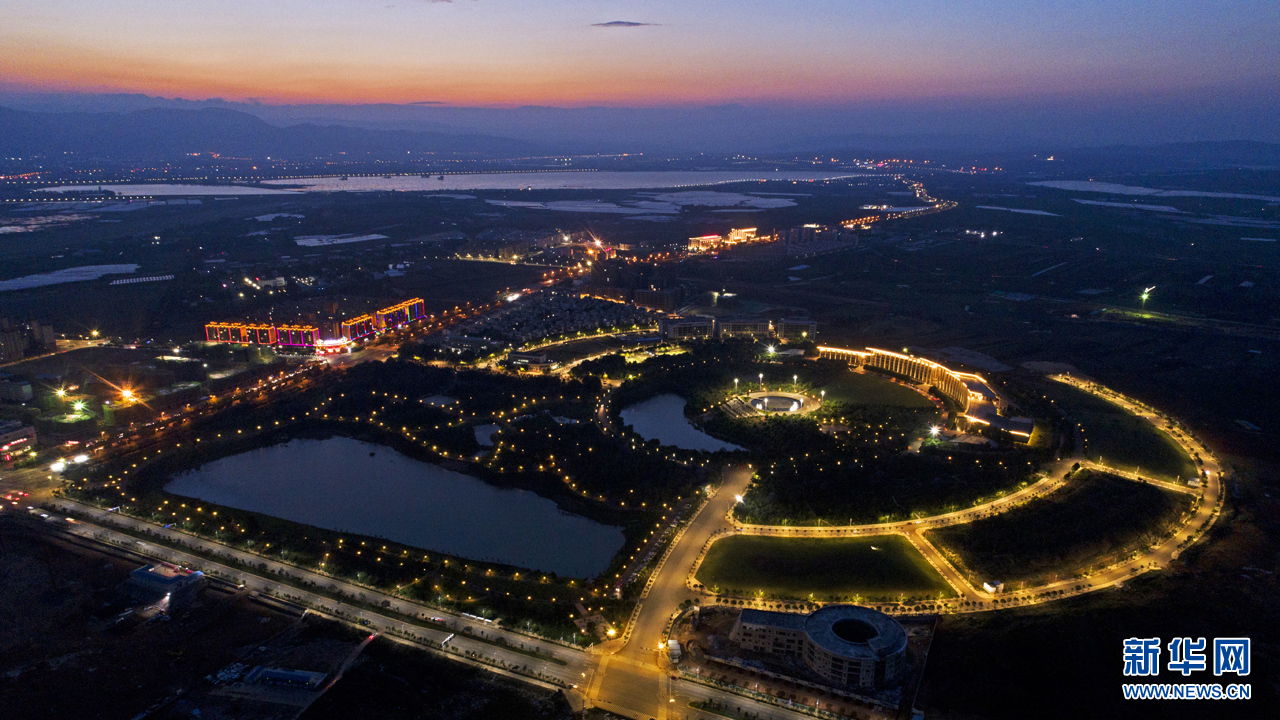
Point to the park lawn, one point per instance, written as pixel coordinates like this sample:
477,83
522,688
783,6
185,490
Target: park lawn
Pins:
870,389
1095,516
1122,440
877,567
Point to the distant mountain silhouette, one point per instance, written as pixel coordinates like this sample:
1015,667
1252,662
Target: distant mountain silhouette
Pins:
164,133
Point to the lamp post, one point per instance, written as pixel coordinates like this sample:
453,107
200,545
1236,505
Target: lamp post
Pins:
735,386
761,381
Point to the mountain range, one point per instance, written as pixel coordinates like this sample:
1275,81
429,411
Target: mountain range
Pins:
158,133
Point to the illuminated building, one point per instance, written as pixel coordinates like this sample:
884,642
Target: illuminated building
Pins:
796,328
978,402
535,361
736,236
703,243
241,333
655,299
358,327
330,347
397,315
687,328
343,333
846,645
15,437
743,326
298,335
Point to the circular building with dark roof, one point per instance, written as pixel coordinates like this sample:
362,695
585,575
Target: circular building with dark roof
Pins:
853,645
843,644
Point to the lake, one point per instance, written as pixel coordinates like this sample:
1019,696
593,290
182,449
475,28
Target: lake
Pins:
662,418
339,485
608,180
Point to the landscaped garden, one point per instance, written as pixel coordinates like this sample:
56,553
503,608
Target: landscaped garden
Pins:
1097,518
1114,437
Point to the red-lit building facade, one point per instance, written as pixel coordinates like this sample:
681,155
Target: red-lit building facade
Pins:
303,336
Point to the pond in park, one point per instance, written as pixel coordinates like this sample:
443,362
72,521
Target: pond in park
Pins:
662,418
352,486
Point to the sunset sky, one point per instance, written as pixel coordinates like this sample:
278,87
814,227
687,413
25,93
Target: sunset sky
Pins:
561,52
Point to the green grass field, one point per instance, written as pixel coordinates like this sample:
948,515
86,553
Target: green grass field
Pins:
877,567
1093,517
1120,439
870,389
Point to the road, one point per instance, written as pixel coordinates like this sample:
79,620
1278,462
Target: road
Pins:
575,663
635,686
633,672
100,521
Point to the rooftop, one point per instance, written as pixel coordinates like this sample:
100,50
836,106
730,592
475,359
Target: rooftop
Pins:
855,631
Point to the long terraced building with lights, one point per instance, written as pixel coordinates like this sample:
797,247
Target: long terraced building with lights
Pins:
977,400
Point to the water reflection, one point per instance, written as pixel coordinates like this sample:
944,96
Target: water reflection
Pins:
662,418
353,486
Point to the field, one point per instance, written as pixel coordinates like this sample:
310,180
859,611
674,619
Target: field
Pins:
392,681
1116,438
883,566
870,389
61,645
1094,517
